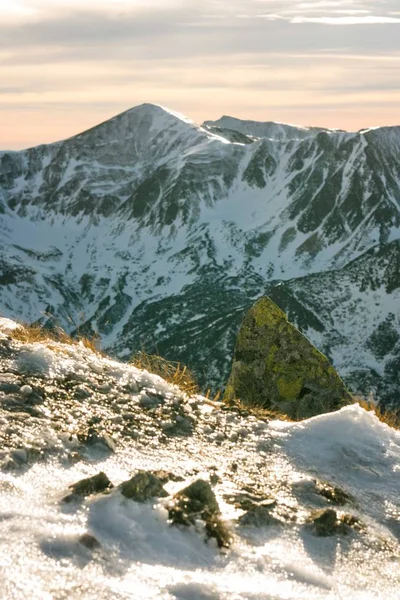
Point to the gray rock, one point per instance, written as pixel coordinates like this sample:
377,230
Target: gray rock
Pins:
9,388
259,516
26,391
20,455
146,401
92,438
82,392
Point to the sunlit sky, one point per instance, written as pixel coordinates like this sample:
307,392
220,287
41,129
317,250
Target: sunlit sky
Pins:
66,65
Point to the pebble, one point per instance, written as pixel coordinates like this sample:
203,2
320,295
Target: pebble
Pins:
104,388
207,429
146,401
133,387
243,432
26,390
82,391
128,415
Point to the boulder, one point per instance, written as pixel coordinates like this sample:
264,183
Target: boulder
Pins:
277,368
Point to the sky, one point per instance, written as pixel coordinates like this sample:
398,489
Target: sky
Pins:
66,65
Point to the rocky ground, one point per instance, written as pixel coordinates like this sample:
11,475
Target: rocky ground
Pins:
111,475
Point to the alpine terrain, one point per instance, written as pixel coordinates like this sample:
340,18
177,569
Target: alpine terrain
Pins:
117,484
158,233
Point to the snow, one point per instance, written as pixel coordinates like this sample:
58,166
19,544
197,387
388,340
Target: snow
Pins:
353,449
143,557
268,130
7,326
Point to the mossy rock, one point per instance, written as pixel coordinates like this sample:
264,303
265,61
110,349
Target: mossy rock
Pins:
327,522
91,485
142,487
277,368
198,501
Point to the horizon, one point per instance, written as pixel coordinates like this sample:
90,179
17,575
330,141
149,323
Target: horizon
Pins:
66,66
178,114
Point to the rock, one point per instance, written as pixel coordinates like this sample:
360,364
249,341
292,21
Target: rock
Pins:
246,501
165,476
277,368
327,523
89,541
195,500
334,494
82,392
26,391
9,387
148,401
318,493
92,438
20,455
259,516
324,522
198,502
91,485
142,487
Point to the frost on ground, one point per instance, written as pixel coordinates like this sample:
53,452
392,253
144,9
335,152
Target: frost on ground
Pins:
312,508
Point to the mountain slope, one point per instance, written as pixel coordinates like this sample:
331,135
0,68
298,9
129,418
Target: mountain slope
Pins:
151,217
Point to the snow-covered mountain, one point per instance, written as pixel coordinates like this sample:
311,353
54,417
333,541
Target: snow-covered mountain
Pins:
159,233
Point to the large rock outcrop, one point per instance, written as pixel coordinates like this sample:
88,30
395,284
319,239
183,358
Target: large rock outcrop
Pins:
276,367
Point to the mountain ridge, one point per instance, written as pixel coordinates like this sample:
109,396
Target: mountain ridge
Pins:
150,216
240,123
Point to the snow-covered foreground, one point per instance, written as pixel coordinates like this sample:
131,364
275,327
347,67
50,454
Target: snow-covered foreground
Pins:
138,553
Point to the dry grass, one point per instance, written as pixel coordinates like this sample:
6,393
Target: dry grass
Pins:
30,334
213,397
258,411
173,372
388,417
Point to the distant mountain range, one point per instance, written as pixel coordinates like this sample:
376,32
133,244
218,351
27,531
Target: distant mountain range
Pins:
151,223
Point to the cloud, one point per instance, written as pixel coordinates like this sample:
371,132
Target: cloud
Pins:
351,20
79,62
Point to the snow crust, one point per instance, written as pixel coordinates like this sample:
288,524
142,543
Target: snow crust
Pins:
143,557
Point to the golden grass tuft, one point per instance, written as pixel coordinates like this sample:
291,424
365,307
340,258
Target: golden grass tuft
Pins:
172,372
388,417
30,334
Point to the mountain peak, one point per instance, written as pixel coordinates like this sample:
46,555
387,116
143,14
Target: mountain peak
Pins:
144,117
158,110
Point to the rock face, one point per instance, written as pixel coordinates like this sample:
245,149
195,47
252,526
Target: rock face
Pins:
276,367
